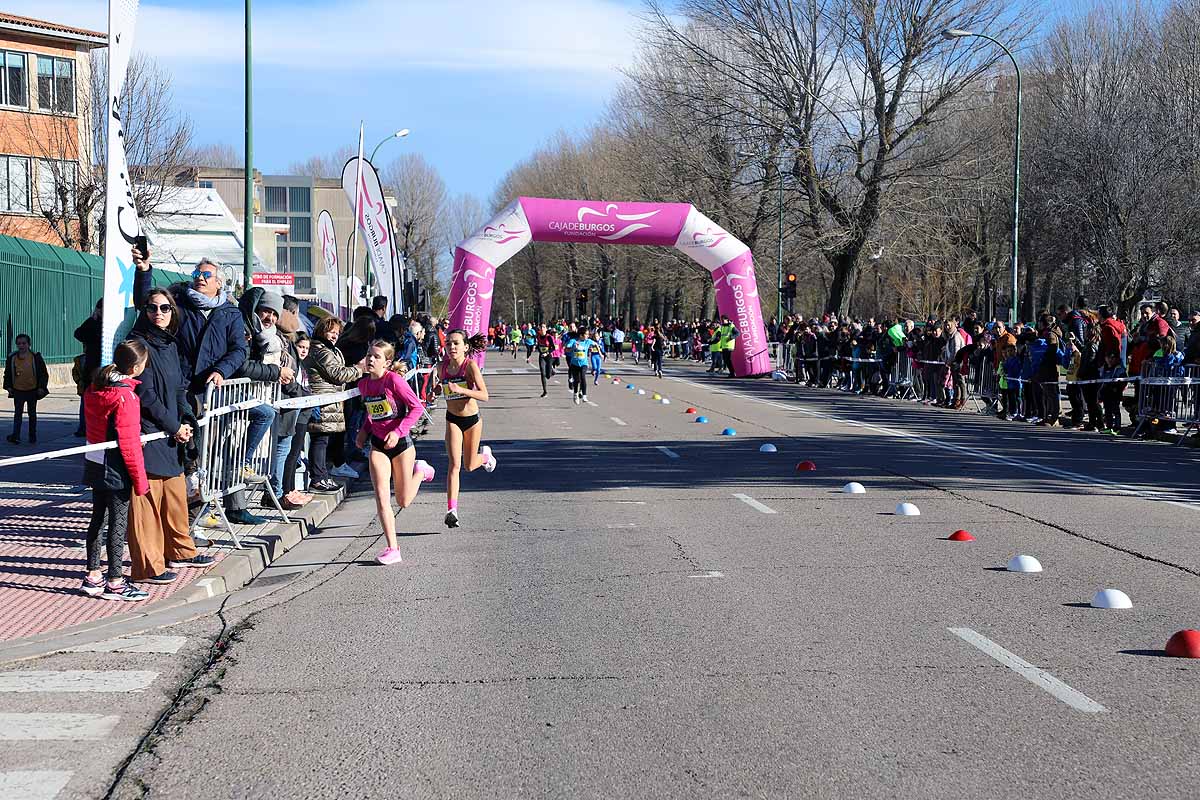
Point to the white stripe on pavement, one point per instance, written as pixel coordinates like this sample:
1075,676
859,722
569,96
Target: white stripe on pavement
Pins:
77,680
28,785
757,506
712,573
133,644
1079,477
618,420
590,403
666,451
1029,672
62,727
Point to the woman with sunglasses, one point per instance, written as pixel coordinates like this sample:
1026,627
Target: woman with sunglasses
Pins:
159,538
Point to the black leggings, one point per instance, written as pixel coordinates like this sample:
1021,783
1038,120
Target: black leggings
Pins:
578,379
293,457
545,369
23,401
112,504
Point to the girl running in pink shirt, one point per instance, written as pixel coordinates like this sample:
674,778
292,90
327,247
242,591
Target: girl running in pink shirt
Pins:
392,409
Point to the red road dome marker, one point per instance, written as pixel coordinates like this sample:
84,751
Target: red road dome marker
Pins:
961,536
690,410
805,466
1184,644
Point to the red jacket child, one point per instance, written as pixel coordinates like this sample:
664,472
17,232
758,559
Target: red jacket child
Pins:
114,411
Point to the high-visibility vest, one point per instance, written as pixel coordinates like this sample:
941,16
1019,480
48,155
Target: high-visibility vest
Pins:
727,337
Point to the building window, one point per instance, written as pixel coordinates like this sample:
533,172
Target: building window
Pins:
301,259
56,84
301,229
204,184
14,184
281,257
56,182
16,81
304,285
276,198
276,220
299,199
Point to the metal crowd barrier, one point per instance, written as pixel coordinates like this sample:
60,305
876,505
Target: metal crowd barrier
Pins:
905,379
1169,394
223,446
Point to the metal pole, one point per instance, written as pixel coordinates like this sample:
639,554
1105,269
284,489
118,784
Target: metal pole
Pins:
779,264
248,212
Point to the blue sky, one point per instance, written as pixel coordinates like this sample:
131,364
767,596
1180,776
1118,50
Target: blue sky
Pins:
480,84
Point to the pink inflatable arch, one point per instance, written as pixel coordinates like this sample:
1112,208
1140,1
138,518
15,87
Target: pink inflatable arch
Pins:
678,225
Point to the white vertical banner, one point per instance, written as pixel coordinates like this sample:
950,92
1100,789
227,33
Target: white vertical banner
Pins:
374,223
121,225
328,239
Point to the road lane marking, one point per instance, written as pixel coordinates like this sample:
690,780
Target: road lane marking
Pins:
757,506
590,403
133,644
630,502
60,727
666,451
618,420
1029,672
621,525
1122,488
712,573
77,680
33,785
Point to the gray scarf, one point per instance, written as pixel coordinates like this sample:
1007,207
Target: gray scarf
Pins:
203,300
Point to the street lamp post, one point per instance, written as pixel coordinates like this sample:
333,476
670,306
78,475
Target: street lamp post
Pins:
400,134
954,33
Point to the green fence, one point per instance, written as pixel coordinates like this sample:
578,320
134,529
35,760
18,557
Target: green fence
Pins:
47,292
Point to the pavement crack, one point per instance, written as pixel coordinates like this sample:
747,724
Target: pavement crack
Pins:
682,554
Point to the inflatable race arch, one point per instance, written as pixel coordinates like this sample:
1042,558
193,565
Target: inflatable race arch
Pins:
678,225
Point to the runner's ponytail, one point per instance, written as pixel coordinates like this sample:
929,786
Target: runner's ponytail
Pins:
475,344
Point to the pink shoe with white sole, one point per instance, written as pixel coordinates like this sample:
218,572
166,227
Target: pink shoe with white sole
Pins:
388,556
426,470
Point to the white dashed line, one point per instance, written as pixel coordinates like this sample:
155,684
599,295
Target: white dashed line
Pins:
666,451
630,502
30,785
77,680
133,644
621,525
57,727
712,573
618,420
1029,672
757,506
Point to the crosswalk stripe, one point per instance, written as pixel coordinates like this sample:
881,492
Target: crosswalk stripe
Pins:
33,785
61,727
77,680
133,644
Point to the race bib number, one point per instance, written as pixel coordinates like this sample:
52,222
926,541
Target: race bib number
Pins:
379,408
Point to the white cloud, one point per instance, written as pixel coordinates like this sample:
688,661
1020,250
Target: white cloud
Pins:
584,37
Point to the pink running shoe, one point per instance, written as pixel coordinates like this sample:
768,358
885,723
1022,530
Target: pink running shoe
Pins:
489,460
426,470
388,556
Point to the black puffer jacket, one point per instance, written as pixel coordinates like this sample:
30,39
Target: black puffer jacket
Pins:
163,393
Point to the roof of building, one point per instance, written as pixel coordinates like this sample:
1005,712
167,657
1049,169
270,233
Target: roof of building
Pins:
191,224
53,29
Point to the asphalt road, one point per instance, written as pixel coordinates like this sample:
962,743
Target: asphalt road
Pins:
621,615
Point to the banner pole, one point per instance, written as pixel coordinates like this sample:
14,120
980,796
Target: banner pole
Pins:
248,215
357,202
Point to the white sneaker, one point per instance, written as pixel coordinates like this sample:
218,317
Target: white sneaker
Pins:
575,399
344,471
489,460
585,398
451,519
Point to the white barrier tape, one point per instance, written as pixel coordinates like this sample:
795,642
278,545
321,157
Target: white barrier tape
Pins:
308,401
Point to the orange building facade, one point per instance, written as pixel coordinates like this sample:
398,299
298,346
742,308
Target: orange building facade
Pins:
46,135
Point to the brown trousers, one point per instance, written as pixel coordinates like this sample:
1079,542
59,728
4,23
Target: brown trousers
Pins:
158,528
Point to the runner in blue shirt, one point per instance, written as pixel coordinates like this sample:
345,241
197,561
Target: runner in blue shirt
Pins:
578,350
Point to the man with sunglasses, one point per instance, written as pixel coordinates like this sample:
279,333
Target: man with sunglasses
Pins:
211,339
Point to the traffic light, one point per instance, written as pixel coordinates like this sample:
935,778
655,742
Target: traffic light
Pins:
581,301
788,289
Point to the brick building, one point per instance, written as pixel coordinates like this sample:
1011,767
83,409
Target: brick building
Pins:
45,121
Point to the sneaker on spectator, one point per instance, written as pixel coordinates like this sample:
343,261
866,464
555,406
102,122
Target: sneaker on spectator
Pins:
250,476
243,517
345,471
210,521
162,578
194,561
123,590
325,485
200,540
1033,420
92,587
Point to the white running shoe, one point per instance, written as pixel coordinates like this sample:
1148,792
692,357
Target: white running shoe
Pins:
425,469
451,518
585,398
575,399
489,460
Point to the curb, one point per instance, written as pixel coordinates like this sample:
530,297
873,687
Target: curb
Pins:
234,572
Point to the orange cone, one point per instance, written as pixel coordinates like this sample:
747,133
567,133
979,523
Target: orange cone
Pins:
690,410
1184,644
